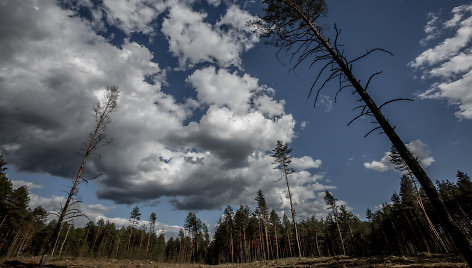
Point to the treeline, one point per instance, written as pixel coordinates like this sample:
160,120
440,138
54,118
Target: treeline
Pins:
403,226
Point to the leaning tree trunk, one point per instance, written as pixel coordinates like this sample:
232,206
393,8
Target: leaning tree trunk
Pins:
339,230
459,237
65,239
102,114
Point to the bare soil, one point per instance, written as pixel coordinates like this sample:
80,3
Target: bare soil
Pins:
424,260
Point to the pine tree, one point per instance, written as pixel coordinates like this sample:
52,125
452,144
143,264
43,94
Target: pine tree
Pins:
134,218
5,191
97,138
282,157
229,223
263,212
152,223
193,226
275,222
331,203
241,221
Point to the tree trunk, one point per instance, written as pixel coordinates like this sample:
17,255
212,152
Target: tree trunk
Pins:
141,239
339,232
102,114
413,231
289,244
65,238
266,239
24,240
118,243
13,244
57,238
276,241
129,240
261,241
231,244
149,237
3,220
317,244
245,246
85,241
459,237
431,225
293,214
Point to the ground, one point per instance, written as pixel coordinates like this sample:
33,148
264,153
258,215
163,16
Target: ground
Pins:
423,260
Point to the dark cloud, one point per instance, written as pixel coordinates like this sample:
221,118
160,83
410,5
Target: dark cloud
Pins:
57,69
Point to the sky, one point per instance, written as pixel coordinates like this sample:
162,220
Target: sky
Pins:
203,101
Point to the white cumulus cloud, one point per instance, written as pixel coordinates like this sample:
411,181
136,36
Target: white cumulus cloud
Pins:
133,15
193,40
450,61
30,185
419,150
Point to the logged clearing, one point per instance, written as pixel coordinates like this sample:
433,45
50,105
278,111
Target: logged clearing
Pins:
425,260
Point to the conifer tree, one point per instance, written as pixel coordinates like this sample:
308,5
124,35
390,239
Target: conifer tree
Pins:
96,139
229,223
263,212
283,159
193,226
135,217
331,203
152,223
275,221
5,190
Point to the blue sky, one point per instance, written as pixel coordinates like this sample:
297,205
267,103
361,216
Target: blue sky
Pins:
204,100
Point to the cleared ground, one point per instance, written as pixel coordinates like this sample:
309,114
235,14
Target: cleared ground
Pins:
425,260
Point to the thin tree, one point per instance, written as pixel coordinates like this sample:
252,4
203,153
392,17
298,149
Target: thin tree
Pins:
152,223
263,213
288,232
275,220
292,26
331,203
193,225
282,159
134,218
97,138
400,165
229,223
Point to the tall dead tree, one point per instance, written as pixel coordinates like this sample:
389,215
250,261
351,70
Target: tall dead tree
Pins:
97,138
292,25
282,159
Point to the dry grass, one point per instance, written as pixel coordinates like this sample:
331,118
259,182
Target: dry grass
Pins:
424,260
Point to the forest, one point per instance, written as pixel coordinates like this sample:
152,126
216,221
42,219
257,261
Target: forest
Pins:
404,225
